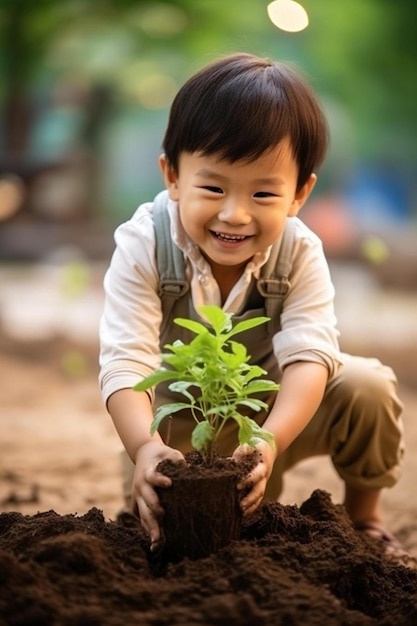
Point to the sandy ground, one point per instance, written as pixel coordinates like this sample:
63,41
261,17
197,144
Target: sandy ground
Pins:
58,447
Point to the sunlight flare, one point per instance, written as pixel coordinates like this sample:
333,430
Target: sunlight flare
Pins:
288,15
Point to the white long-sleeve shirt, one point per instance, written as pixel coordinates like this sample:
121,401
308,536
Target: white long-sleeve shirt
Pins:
129,328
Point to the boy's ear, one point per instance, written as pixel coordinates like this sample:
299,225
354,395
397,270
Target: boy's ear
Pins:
170,177
302,195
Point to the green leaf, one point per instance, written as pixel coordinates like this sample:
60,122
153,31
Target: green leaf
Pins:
250,433
163,411
171,407
220,409
238,348
181,386
259,386
192,325
245,428
204,343
262,435
219,371
155,378
202,436
247,325
177,362
218,319
254,404
156,422
177,345
239,351
254,371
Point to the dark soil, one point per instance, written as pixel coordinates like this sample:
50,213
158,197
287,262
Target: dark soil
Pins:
290,566
202,511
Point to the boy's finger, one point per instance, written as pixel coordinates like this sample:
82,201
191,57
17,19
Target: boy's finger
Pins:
149,501
255,476
251,506
156,479
149,524
245,482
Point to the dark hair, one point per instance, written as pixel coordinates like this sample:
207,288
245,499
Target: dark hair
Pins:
242,106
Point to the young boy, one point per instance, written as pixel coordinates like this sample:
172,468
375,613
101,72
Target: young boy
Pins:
244,139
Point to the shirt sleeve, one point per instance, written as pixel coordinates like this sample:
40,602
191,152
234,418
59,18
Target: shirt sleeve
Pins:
131,319
308,322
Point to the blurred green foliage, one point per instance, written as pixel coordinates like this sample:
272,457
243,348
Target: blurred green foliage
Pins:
360,55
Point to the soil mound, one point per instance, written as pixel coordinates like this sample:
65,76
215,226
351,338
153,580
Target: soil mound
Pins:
290,566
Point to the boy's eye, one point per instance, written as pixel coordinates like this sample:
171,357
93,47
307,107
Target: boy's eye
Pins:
213,189
264,194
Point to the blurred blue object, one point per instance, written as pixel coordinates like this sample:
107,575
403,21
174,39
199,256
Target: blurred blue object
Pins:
378,197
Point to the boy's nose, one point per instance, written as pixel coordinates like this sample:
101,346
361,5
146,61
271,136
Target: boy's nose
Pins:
234,212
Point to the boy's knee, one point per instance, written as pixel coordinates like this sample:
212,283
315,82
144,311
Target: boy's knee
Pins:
367,437
368,381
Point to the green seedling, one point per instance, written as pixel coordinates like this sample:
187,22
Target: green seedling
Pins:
213,374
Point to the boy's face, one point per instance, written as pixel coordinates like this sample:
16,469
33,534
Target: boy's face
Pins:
234,210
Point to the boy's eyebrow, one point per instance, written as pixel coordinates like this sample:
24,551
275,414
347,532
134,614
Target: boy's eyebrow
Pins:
274,180
207,173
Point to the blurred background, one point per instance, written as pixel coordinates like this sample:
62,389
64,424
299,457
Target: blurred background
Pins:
85,87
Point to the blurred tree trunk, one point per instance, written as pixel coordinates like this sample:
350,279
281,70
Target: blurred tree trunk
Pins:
17,109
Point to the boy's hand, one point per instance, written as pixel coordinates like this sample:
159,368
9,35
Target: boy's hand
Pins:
145,480
255,482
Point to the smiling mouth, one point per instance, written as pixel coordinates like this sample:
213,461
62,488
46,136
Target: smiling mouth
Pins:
230,238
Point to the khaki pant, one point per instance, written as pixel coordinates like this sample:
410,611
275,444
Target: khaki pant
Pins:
358,425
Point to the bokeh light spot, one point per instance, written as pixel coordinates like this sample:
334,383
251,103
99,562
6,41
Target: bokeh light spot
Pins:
161,20
11,196
288,15
375,250
155,91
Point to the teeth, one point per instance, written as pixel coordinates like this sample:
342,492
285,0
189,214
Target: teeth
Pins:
230,237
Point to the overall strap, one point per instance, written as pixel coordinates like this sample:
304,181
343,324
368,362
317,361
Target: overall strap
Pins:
273,283
170,260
